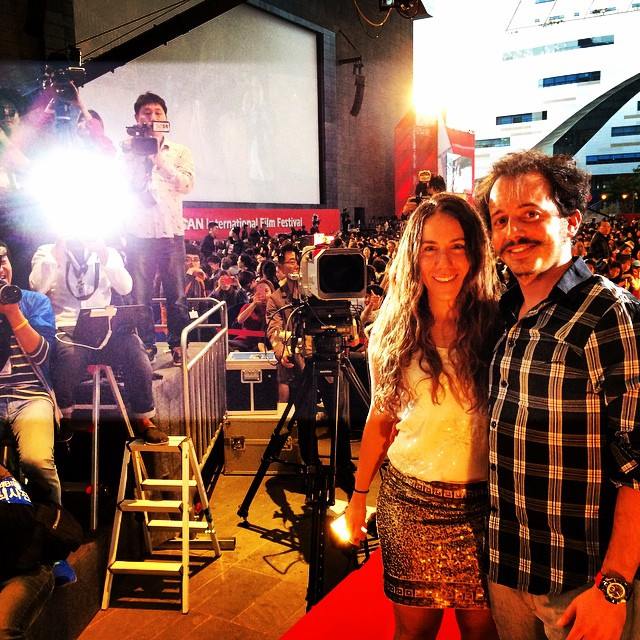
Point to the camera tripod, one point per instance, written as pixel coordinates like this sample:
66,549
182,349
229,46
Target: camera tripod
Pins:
330,362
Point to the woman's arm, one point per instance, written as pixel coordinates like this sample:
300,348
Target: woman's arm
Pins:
376,439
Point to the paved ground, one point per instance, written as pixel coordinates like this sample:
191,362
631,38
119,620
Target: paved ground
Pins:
253,593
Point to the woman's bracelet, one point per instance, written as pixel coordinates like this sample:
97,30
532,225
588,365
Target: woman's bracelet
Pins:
360,491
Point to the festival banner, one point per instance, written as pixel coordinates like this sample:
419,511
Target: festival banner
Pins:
283,220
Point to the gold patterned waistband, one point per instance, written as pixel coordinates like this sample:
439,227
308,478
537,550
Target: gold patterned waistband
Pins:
453,490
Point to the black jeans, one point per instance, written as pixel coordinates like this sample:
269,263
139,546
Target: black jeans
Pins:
145,257
124,351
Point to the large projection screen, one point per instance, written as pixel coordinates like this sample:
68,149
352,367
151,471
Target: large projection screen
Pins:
242,93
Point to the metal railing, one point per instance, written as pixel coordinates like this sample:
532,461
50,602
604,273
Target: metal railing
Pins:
204,380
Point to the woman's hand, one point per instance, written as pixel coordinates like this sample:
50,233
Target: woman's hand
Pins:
356,516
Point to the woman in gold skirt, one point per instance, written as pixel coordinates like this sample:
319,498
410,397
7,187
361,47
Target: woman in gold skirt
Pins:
428,355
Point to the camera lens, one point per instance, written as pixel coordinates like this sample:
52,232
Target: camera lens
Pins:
9,293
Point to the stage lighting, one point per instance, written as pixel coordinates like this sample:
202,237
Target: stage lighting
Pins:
411,9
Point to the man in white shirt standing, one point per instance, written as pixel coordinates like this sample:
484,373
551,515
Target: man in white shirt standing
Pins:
155,241
80,275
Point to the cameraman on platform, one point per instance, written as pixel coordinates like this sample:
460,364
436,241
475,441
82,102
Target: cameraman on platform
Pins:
280,326
155,241
80,275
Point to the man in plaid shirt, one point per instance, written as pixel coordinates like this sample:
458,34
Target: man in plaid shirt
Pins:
564,404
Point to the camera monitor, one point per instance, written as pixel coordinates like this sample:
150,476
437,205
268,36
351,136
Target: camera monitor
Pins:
333,274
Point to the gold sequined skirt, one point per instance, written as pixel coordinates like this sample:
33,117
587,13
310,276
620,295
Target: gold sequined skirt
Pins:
432,536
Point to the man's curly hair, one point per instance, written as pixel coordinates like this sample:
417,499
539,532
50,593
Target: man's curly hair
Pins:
570,186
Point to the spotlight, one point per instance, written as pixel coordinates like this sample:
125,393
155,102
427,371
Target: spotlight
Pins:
411,9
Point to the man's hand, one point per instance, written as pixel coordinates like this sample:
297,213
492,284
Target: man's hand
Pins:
196,273
594,618
11,312
99,247
282,355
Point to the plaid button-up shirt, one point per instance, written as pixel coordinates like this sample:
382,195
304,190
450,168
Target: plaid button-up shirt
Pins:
563,435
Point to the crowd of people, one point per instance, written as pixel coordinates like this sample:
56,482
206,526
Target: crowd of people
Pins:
503,340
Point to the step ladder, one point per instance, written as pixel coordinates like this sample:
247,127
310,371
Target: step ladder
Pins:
190,480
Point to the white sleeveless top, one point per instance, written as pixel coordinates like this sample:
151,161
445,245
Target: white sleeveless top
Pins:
439,442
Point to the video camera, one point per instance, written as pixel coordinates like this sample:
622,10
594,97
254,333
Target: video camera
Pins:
330,278
60,74
143,142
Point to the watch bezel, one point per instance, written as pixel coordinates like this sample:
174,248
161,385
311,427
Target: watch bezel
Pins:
612,581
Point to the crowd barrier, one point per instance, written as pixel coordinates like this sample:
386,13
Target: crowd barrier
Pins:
203,373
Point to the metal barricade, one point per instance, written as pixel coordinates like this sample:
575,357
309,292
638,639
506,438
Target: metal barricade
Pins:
204,380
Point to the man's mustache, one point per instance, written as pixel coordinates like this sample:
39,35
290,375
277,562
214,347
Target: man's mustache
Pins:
517,243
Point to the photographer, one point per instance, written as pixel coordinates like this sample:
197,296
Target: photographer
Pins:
253,317
13,161
27,334
79,275
229,290
155,241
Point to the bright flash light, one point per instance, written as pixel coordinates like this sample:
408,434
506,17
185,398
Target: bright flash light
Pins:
339,529
83,194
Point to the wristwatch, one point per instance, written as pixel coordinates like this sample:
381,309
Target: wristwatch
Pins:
616,590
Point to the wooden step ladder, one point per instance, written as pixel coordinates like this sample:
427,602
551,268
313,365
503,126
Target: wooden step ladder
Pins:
190,480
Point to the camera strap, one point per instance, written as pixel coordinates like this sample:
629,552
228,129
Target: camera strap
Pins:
79,291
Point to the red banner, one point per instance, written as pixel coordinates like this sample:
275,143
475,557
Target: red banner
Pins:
277,220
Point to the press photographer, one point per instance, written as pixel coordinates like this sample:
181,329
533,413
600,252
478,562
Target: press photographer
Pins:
27,335
162,172
79,275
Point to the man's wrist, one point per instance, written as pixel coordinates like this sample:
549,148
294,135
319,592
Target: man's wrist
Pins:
615,589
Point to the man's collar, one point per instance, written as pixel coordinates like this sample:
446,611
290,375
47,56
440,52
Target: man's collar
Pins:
576,274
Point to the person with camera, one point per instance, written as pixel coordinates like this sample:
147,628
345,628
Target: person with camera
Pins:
162,174
13,161
79,275
27,409
253,318
229,290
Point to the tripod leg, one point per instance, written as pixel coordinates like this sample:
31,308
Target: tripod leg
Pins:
353,378
274,447
315,586
335,428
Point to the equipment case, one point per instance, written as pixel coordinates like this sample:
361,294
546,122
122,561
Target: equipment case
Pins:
252,382
245,439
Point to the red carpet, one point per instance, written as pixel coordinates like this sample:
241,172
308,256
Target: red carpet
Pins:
358,609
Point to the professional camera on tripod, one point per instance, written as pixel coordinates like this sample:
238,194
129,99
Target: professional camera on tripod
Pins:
329,282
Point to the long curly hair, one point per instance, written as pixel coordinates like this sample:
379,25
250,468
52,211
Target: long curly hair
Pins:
404,323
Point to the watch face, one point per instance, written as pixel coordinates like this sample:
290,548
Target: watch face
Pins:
616,591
